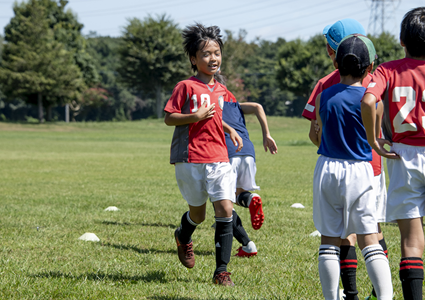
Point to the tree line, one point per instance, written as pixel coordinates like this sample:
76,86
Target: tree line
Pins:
46,64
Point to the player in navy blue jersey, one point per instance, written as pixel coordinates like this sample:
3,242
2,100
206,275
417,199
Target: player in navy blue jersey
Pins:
244,166
343,193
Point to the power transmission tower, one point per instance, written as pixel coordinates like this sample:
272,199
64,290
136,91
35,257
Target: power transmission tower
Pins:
381,11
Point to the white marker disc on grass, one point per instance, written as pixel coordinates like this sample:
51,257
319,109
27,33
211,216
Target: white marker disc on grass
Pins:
315,233
91,237
112,208
297,205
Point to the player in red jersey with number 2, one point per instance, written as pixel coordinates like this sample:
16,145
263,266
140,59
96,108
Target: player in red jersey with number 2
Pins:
400,85
198,148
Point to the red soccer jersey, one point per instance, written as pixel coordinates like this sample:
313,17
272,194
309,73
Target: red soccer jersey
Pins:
204,141
324,83
401,85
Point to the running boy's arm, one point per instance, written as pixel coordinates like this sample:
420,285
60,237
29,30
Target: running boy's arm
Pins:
257,109
177,119
234,136
319,121
368,110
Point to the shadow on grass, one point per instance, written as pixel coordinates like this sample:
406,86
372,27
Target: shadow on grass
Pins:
156,276
137,224
147,251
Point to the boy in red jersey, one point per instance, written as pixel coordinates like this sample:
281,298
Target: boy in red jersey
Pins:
199,151
348,257
400,84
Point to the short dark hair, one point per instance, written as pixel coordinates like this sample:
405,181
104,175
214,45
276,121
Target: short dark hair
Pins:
195,37
350,65
412,32
354,55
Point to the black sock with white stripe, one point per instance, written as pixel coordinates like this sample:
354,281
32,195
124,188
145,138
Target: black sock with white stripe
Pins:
348,264
412,276
238,231
378,270
329,270
243,199
187,228
223,243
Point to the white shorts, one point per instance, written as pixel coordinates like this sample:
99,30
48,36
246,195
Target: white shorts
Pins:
381,197
343,197
244,170
197,182
406,191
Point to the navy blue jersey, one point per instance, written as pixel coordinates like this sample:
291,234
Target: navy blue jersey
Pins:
233,115
343,133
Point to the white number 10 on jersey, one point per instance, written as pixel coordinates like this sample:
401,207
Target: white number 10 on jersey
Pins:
204,97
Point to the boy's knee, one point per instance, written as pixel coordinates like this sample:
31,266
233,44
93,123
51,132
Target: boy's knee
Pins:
223,208
198,218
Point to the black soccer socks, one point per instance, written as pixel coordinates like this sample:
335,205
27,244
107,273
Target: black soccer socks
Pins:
187,228
238,231
412,276
348,265
223,243
384,246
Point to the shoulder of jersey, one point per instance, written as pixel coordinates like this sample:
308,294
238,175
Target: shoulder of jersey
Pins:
330,79
186,82
330,76
393,64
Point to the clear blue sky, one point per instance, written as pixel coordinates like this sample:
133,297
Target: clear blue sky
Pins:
268,19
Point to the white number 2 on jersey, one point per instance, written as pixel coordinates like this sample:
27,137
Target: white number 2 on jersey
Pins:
401,116
204,97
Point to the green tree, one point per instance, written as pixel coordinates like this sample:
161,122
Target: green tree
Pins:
151,57
300,65
122,101
260,78
35,66
236,51
387,48
67,30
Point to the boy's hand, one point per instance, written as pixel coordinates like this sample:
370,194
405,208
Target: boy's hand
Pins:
378,146
236,139
268,142
316,127
205,112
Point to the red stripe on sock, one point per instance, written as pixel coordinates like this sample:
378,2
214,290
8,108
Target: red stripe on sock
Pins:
404,262
349,266
411,267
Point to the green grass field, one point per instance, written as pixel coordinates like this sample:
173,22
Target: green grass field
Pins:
57,179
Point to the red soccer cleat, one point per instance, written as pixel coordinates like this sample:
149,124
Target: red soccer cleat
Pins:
247,251
256,211
223,278
185,252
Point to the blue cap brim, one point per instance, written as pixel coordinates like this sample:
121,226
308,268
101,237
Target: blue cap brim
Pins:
326,29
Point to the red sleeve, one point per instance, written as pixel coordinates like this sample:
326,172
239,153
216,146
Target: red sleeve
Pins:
367,80
177,99
309,111
230,97
378,84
